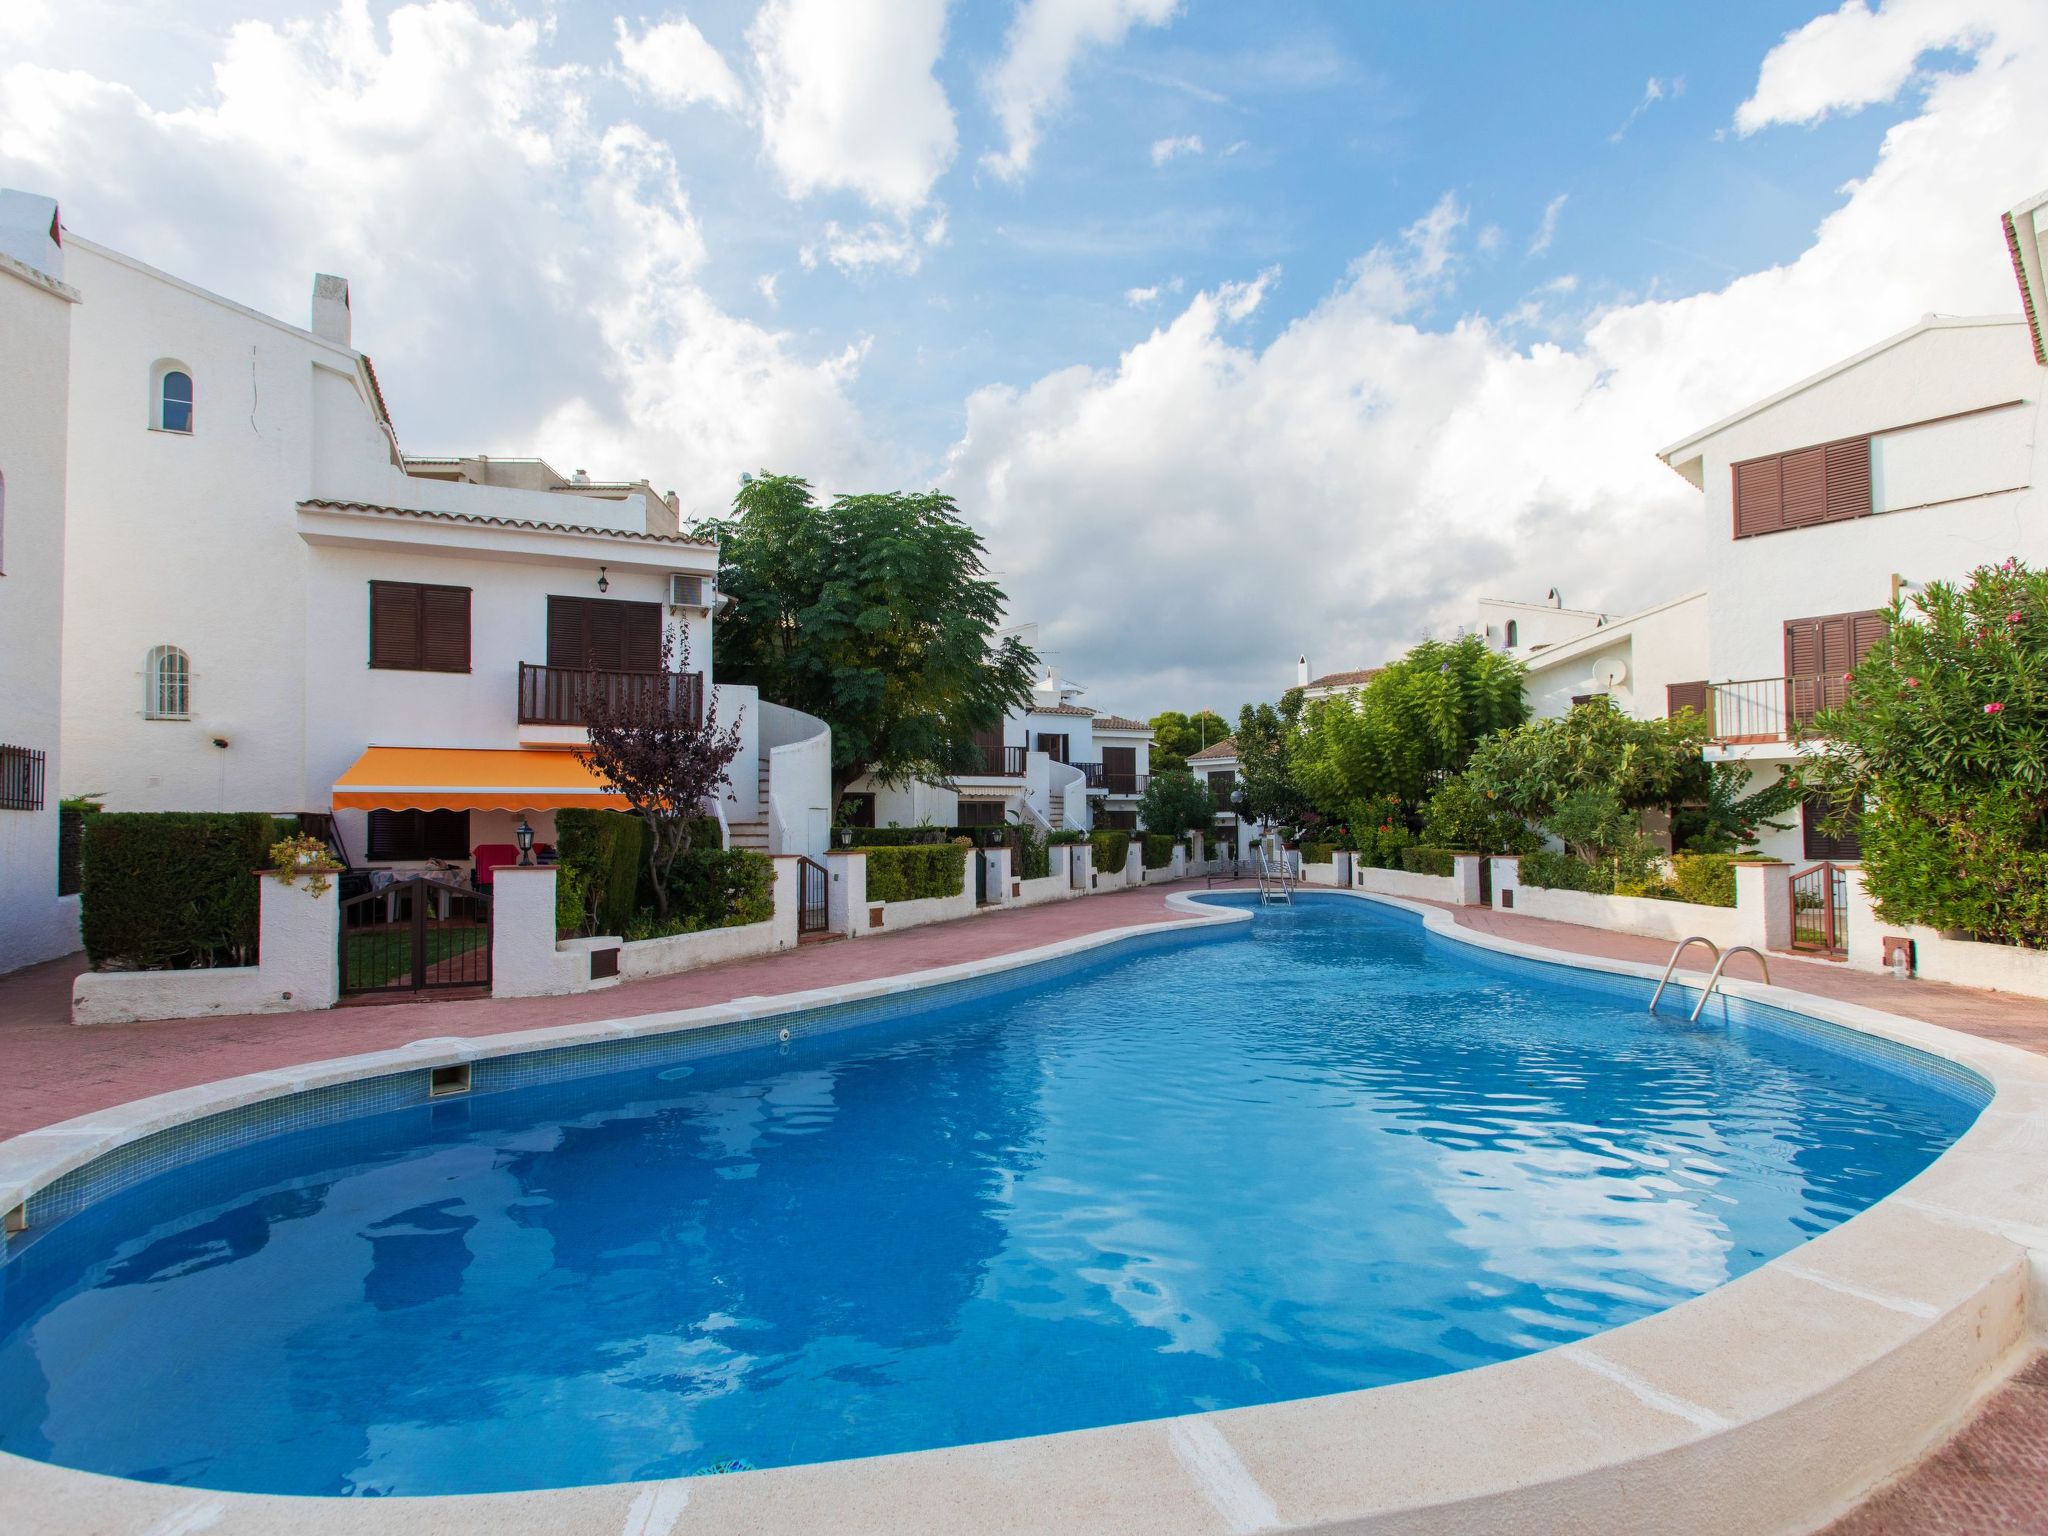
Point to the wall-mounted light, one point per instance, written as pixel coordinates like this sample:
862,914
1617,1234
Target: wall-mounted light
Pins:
603,581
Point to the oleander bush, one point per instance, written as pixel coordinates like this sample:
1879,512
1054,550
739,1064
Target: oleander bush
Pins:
171,890
1158,851
1420,860
917,872
1112,850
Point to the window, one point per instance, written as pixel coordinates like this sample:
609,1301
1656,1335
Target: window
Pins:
1053,746
1819,655
1827,484
398,835
1679,696
173,399
604,635
1514,634
418,628
21,779
1844,847
980,813
167,685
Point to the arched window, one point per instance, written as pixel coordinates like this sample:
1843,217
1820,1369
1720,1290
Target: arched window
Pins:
1514,634
173,412
167,685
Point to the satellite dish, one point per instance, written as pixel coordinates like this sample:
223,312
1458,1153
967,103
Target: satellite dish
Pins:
1610,672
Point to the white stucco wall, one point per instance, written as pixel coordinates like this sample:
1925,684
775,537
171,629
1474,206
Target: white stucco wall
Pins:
35,343
1956,493
1660,646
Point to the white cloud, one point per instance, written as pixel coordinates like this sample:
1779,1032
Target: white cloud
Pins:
569,318
849,101
767,283
1369,477
1654,92
675,65
877,244
1139,298
1164,150
1045,39
1855,57
1546,229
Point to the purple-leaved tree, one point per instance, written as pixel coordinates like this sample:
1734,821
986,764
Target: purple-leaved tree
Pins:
656,740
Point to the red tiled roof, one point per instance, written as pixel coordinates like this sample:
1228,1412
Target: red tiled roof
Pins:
1227,747
1061,709
507,522
1119,723
1347,679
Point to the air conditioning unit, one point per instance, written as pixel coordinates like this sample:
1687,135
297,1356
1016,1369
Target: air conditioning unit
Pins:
689,592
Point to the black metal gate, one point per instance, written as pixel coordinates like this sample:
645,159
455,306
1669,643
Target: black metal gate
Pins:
417,935
980,857
813,898
1485,880
1820,900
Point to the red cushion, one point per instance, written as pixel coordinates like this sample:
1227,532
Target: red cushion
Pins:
489,856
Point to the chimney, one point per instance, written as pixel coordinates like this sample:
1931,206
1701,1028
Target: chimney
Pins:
32,232
1301,671
330,309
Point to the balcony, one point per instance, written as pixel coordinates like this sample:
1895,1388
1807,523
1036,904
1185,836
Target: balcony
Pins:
1769,709
999,763
1223,794
1115,781
559,696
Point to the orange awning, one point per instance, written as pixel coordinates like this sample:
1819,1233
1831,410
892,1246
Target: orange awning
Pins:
471,779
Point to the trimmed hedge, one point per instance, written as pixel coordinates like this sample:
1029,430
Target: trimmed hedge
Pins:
1418,860
1065,836
1554,871
1318,853
1033,855
896,837
169,890
916,873
600,863
1706,878
1158,849
1111,850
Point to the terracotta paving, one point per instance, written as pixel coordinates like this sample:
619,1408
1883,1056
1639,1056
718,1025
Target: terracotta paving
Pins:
1989,1480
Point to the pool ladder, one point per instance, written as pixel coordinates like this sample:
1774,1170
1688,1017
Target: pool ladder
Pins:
1713,976
1276,876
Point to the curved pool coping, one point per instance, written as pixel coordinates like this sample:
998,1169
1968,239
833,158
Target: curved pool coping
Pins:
1771,1403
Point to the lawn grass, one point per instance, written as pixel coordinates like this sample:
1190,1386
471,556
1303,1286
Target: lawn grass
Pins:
378,957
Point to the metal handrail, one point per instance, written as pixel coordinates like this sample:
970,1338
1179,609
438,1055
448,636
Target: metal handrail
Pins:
1714,976
1683,945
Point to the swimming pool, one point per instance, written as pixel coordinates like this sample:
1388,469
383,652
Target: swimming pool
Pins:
1323,1153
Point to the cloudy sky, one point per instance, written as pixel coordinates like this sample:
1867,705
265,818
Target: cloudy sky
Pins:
1238,330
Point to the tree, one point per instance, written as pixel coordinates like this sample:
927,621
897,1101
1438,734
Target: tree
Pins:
874,613
1411,728
1266,737
663,752
1943,736
1177,804
1177,737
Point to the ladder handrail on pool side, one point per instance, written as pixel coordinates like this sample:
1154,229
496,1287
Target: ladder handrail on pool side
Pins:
1714,977
1275,885
1683,945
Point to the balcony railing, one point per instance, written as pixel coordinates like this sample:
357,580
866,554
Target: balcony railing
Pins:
1113,780
1764,709
561,695
1000,763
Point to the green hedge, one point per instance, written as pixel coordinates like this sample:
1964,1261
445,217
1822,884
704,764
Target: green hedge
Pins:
1112,850
1318,853
172,889
1555,871
1065,836
1158,850
896,837
1706,878
600,863
916,873
1032,855
1418,860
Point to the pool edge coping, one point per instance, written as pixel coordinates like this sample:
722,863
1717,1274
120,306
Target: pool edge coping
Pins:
1865,1301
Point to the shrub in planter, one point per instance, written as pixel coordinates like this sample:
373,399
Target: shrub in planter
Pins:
1111,849
722,888
1066,836
168,890
897,837
1318,853
1033,855
600,862
1705,878
1418,860
1158,849
916,872
1551,870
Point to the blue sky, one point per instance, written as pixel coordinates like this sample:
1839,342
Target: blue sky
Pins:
1239,331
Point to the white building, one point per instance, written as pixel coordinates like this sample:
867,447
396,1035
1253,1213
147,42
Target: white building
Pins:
268,607
1217,766
36,310
1646,662
1918,459
1523,630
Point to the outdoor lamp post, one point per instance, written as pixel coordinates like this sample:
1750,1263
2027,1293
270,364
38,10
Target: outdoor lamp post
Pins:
524,837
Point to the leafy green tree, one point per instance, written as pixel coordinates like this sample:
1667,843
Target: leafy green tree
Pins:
874,613
1267,737
1943,736
1459,816
1177,737
1411,728
1176,804
1594,746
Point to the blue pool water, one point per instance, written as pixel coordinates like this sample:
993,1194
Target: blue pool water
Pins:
1326,1152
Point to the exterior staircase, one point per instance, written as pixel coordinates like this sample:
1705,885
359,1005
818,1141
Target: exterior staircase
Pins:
1058,818
753,834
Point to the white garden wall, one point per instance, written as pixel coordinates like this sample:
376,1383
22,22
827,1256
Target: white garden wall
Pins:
1398,882
1673,920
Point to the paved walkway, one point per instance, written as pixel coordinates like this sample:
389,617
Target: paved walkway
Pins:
1991,1478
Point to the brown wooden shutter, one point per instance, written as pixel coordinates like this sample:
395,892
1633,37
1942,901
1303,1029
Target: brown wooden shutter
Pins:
444,629
1848,477
1803,488
641,645
1759,501
1865,630
394,624
565,632
1679,696
1837,847
990,745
